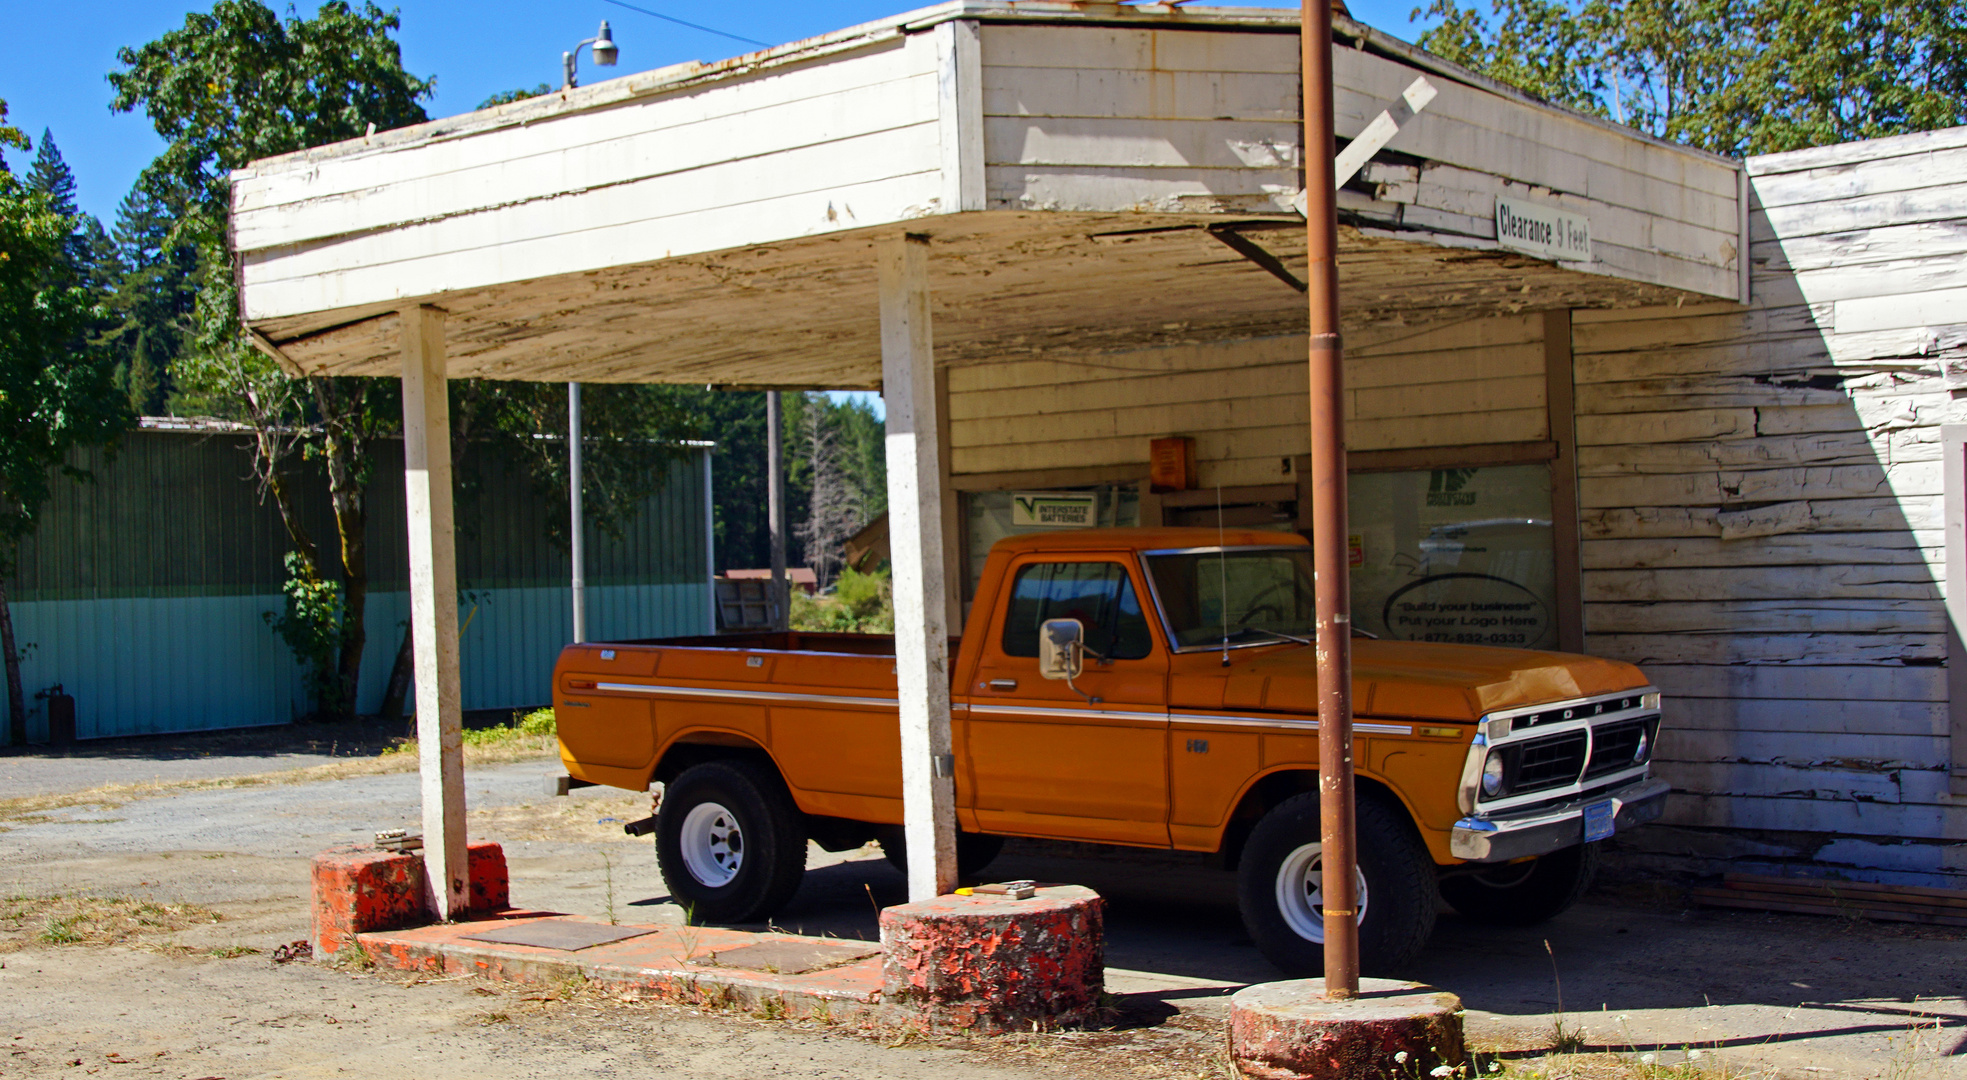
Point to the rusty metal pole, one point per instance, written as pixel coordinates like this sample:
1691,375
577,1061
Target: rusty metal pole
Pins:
1328,512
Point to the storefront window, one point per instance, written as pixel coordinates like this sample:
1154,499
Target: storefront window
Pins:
991,516
1461,555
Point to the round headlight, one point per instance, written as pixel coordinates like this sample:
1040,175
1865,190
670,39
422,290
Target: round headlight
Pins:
1492,776
1644,747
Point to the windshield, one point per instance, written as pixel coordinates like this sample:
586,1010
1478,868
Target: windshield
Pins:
1238,597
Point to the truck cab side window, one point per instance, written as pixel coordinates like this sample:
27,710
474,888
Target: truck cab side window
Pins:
1099,595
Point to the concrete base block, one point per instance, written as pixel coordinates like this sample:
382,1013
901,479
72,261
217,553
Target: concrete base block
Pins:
988,964
1288,1031
359,889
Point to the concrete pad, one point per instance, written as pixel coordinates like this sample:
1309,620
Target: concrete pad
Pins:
665,963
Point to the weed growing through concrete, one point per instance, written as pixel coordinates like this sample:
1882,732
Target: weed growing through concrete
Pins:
352,957
1563,1041
571,987
770,1008
690,932
608,872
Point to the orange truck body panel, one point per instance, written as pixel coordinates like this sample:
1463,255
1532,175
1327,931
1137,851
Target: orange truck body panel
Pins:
1163,760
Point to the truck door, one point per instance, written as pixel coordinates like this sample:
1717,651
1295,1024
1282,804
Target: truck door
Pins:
1042,759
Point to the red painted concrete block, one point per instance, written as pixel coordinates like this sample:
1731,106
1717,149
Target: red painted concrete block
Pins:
989,964
491,888
359,889
362,888
1288,1031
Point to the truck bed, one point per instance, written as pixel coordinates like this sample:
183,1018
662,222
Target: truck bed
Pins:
788,641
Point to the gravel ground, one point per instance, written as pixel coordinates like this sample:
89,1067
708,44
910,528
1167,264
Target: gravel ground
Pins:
1790,995
40,770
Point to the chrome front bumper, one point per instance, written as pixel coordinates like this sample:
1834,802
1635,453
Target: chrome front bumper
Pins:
1479,838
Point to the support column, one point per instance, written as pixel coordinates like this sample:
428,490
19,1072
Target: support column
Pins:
915,537
434,607
577,523
775,506
1332,574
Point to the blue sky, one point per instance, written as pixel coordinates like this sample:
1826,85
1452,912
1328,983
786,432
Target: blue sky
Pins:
55,56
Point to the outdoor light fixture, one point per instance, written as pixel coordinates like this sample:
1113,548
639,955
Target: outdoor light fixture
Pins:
604,50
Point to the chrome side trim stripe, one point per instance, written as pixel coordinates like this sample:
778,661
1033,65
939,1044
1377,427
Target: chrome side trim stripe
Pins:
1066,714
1367,727
788,698
750,695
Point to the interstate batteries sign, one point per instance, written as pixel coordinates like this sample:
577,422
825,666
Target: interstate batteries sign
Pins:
1543,231
1055,510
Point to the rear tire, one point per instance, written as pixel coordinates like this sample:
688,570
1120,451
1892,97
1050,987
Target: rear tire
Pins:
730,842
1278,877
974,851
1524,894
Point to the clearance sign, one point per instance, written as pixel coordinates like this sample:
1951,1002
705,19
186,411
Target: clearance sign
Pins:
1054,510
1543,231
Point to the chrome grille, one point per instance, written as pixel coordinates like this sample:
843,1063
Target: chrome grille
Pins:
1549,762
1613,747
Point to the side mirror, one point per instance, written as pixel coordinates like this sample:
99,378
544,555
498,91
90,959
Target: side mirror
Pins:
1061,648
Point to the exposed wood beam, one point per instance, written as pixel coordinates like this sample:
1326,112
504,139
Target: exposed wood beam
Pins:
1255,252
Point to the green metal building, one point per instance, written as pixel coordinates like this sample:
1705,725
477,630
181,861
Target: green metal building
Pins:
146,593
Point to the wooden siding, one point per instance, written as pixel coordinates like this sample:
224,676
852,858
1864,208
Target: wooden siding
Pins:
1480,381
630,171
1102,118
1762,491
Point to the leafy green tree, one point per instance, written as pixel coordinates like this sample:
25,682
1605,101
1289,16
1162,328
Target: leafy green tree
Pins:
1732,76
56,390
507,97
230,86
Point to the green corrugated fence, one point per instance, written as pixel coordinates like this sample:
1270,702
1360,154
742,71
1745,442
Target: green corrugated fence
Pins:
143,594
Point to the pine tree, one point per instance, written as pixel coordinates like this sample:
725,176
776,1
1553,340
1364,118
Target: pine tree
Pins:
152,299
51,176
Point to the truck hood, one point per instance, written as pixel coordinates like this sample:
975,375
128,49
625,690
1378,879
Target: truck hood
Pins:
1439,682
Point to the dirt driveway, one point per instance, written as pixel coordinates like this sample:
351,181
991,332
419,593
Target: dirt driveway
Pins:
188,879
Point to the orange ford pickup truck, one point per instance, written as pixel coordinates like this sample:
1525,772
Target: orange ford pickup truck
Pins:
1484,774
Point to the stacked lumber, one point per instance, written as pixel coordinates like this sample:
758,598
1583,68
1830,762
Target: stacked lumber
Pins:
1852,899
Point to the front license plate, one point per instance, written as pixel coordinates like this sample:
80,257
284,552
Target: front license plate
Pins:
1598,820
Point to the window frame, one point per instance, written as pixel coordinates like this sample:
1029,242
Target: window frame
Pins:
1135,575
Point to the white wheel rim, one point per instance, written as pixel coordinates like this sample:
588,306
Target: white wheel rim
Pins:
712,844
1301,892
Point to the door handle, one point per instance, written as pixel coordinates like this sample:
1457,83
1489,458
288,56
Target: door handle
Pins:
1003,684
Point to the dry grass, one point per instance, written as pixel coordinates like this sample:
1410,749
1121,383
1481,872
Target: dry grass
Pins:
68,919
1578,1058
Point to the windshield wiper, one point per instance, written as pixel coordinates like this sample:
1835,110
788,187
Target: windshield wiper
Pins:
1278,634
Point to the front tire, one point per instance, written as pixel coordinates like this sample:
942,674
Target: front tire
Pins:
1524,894
730,842
1279,890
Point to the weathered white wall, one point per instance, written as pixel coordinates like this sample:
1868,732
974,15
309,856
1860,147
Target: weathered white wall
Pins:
618,174
1244,402
1103,118
1762,499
